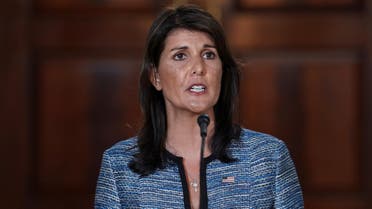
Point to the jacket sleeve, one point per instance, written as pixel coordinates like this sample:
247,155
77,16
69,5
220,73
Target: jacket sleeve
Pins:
106,191
288,192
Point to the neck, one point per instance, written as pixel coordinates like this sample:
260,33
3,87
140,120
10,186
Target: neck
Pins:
183,135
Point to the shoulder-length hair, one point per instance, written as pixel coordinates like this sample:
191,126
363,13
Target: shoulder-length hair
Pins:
151,138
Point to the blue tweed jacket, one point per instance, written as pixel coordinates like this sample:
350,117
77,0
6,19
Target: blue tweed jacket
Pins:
264,176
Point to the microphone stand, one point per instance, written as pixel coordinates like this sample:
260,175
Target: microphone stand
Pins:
200,170
203,121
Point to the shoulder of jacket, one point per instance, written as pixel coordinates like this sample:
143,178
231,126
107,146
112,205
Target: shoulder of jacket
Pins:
257,142
123,148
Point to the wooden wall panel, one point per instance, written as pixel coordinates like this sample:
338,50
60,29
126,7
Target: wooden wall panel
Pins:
302,83
84,106
15,124
248,4
332,138
257,113
310,100
95,6
247,31
275,82
79,32
270,100
88,56
339,201
366,118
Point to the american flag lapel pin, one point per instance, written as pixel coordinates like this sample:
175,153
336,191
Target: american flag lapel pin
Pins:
228,179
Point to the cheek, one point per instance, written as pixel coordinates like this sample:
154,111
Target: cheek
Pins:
216,67
171,82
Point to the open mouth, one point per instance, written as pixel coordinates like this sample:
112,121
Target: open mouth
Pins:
197,88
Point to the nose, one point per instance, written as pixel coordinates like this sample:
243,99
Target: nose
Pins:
198,67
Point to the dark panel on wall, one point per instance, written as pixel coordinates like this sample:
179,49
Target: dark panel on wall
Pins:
15,126
77,32
95,6
87,62
310,100
84,106
367,104
297,30
309,4
339,201
331,135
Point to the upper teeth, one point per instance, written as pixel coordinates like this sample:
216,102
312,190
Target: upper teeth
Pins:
197,88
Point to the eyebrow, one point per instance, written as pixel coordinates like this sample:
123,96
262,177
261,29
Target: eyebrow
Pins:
185,47
179,48
209,46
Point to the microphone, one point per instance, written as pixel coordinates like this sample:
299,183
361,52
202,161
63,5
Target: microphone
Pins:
203,121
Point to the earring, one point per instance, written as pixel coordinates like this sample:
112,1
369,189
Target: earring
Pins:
157,80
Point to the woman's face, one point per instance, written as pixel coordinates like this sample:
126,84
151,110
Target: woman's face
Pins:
189,72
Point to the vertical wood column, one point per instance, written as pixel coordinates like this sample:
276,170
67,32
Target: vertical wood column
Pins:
367,104
15,102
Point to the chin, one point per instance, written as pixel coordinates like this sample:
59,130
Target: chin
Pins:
200,106
201,109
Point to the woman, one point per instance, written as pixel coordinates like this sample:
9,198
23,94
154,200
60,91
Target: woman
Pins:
187,71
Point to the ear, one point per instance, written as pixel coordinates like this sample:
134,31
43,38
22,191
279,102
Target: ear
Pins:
155,78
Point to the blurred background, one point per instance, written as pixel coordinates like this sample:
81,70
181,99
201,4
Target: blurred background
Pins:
68,91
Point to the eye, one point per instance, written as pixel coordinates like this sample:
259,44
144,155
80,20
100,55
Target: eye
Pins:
179,56
209,55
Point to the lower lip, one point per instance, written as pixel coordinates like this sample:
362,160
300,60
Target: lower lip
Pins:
197,93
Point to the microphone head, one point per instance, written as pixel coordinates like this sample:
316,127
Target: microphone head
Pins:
203,118
203,121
